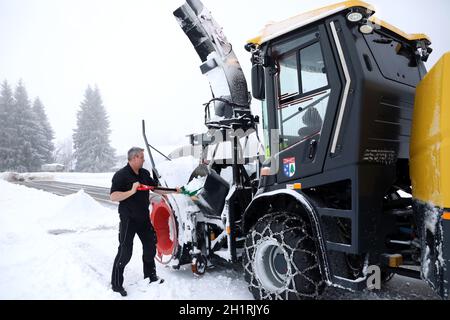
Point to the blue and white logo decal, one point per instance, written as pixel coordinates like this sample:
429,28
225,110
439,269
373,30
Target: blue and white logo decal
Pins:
289,167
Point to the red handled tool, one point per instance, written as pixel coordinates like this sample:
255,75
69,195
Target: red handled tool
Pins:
144,187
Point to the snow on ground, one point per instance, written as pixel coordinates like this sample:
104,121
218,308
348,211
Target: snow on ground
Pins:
54,247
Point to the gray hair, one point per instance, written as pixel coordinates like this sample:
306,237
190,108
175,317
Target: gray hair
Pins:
133,152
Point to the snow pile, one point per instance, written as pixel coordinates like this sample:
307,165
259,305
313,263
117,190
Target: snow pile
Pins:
80,212
35,176
14,176
19,218
8,176
177,172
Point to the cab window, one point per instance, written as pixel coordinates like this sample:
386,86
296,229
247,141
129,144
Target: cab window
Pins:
303,91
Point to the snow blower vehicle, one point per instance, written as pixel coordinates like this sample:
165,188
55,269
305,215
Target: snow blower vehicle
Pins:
354,174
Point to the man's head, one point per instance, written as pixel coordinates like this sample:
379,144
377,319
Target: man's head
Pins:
136,157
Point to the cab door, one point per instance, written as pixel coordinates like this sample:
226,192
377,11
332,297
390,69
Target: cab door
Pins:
306,89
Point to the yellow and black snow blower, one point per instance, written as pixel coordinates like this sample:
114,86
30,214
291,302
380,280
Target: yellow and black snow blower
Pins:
353,180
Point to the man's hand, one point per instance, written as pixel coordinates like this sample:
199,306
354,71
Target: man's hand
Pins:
120,196
134,187
178,190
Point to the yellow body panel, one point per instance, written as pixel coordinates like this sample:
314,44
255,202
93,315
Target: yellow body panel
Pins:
276,29
430,137
410,37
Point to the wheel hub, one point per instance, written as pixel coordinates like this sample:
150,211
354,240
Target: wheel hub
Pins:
271,266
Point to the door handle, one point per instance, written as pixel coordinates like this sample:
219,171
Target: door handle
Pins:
312,149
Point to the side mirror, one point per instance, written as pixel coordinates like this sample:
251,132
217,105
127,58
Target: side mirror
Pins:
258,88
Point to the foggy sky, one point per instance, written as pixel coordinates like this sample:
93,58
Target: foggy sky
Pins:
143,64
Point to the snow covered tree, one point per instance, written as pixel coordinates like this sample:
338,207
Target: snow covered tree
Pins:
26,155
64,153
93,152
44,134
8,131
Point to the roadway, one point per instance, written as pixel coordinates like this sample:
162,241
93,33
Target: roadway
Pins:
101,194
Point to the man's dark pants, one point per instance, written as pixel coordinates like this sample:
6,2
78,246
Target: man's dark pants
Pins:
128,229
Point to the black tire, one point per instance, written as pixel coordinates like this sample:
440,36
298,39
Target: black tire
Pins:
199,264
288,267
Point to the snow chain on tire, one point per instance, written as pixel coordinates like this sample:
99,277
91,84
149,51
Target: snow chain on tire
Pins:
291,237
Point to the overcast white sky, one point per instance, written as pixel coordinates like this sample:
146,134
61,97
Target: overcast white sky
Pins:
142,62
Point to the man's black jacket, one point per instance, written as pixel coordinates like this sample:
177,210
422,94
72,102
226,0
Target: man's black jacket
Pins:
136,206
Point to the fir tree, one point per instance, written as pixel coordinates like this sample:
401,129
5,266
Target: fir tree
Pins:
44,134
8,131
26,155
93,152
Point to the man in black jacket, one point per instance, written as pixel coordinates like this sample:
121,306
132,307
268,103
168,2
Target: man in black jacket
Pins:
134,218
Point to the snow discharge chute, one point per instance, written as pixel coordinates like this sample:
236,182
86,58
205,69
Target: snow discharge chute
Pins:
205,234
220,64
